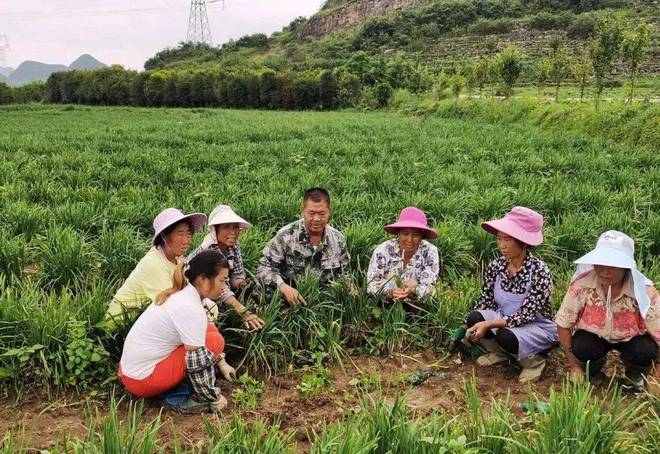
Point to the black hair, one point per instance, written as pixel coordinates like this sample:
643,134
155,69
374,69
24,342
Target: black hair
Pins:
207,263
159,241
317,195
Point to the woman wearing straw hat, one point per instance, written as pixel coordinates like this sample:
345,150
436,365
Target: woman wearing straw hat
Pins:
610,305
512,317
173,233
406,266
225,228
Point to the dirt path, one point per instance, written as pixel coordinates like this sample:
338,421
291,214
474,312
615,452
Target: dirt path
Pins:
48,423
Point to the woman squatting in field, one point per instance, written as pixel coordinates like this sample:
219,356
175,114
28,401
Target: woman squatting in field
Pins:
225,228
405,267
512,317
173,232
610,305
172,339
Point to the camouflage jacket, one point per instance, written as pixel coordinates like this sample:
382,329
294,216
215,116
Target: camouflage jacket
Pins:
290,255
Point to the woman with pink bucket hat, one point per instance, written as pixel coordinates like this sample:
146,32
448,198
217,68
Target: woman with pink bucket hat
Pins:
512,317
611,305
173,233
407,266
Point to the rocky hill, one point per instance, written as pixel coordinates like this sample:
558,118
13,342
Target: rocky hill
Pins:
337,15
526,24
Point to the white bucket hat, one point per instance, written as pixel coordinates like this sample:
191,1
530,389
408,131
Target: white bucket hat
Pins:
618,250
222,214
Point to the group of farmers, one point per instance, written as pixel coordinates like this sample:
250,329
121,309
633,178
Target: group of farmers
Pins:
174,349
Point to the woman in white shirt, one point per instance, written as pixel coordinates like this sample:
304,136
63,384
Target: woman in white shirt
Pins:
172,339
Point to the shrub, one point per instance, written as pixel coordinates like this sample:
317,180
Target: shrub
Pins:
383,93
492,26
583,27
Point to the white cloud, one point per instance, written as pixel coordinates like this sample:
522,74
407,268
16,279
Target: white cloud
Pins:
128,32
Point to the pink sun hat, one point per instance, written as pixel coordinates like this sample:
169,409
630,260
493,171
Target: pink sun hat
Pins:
412,218
521,223
170,216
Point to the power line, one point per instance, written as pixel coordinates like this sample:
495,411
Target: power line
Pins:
117,11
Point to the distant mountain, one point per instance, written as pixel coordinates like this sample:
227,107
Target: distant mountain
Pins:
86,61
5,71
3,79
31,71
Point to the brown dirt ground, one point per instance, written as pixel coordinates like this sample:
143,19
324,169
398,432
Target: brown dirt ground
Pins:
46,422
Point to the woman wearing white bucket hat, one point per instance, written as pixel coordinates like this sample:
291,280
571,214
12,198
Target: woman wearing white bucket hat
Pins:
173,231
225,228
610,305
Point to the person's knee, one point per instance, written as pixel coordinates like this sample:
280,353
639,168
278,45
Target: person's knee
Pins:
214,340
473,318
587,346
641,351
507,340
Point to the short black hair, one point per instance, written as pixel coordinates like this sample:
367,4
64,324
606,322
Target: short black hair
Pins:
317,195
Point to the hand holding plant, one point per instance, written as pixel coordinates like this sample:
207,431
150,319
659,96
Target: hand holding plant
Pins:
291,295
252,321
478,331
228,372
219,405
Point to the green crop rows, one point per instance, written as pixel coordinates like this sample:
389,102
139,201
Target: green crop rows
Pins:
79,188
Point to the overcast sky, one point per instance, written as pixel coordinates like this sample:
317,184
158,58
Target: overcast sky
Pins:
127,32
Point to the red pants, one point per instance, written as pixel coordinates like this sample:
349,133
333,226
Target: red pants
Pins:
172,370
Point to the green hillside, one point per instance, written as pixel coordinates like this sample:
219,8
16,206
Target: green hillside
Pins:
370,53
438,32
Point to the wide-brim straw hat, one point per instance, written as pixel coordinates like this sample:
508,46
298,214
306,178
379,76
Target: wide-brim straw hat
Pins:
171,216
521,223
412,218
223,214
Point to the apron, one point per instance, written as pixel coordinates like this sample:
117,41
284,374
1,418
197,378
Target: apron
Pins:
534,337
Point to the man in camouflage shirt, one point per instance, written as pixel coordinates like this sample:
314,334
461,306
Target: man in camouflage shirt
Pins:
308,245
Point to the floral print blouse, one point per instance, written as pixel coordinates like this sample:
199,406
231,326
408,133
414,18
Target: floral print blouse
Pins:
585,307
386,266
533,272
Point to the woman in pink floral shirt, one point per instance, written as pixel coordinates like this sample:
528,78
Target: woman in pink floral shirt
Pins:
610,305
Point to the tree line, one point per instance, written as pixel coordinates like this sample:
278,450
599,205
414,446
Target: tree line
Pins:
364,79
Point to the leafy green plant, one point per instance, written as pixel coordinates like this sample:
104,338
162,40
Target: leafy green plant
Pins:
248,393
315,382
87,361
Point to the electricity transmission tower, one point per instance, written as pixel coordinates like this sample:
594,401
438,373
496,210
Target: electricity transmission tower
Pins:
199,30
4,49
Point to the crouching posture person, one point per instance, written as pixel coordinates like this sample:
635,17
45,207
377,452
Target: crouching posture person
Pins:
172,339
408,257
610,305
512,317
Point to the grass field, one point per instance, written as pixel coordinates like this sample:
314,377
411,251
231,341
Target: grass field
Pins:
79,188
